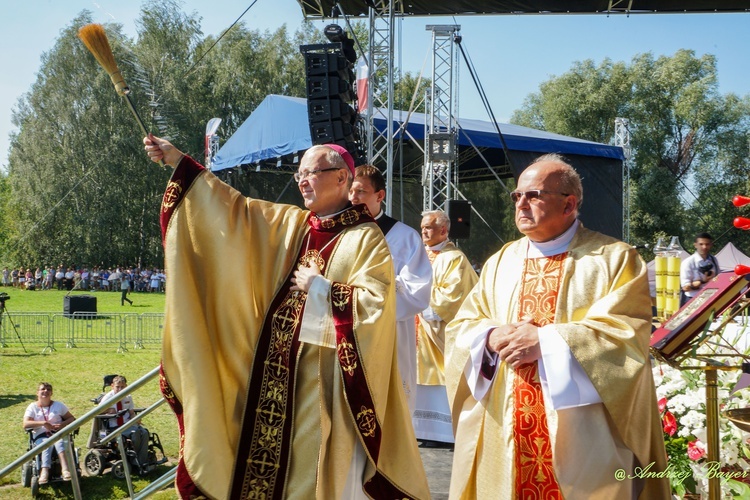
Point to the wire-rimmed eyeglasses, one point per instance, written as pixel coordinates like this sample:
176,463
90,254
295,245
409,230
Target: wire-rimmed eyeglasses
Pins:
301,176
532,194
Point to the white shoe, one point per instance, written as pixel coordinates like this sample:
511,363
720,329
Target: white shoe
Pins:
44,476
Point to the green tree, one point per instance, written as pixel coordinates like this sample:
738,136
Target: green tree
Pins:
722,173
583,102
409,93
81,190
677,119
76,174
5,194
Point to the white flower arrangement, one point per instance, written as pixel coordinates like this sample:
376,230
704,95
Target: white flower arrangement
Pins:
682,404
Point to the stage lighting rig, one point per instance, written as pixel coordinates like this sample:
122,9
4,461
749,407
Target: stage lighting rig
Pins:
336,34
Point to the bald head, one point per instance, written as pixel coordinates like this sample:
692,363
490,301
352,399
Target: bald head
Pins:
324,179
553,211
568,179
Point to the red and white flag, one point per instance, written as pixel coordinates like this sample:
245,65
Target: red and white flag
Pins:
363,77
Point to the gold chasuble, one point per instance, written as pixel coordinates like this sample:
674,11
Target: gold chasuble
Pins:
513,444
261,413
452,280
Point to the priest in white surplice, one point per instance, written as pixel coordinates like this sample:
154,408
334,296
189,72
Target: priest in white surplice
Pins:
412,267
547,361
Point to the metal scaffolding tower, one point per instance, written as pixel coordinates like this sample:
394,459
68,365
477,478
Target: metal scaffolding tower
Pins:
380,92
622,139
439,173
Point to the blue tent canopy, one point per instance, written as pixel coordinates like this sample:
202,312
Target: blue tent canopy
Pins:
276,128
279,127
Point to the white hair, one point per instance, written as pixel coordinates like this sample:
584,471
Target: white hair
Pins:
441,218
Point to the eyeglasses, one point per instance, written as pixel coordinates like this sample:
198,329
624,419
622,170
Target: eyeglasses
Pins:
301,176
531,195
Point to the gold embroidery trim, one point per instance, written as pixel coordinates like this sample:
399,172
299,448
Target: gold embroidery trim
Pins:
341,295
347,357
263,460
171,195
366,421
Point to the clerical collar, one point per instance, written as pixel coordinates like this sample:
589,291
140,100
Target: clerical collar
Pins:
331,216
380,214
552,247
439,246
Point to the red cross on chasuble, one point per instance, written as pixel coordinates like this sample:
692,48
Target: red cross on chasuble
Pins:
535,478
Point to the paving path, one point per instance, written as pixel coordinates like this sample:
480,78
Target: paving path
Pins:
437,463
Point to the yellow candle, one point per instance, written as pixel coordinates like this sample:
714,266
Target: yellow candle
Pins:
660,302
670,307
661,282
673,284
660,264
673,266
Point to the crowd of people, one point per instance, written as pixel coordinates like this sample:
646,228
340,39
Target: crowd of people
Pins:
83,278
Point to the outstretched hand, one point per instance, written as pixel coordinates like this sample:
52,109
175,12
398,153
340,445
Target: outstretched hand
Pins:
162,150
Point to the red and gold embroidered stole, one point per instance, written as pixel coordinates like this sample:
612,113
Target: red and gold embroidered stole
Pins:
535,478
265,442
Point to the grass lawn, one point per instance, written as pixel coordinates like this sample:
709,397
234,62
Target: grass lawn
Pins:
106,302
76,375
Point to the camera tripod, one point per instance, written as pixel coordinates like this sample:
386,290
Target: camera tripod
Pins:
3,315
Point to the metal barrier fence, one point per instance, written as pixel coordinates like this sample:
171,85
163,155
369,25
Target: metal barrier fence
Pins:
58,330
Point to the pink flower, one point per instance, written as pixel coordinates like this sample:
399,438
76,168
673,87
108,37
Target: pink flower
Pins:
662,404
669,423
695,450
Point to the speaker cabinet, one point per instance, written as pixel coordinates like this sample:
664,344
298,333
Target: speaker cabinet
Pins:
78,303
459,212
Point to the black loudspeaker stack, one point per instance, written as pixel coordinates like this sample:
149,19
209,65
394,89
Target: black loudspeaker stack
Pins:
330,92
459,213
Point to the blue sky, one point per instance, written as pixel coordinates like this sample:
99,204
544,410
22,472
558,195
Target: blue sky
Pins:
512,54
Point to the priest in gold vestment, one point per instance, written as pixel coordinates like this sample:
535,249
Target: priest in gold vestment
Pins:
547,361
278,355
452,279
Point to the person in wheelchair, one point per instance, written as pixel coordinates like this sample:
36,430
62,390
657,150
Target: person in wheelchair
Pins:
43,418
122,412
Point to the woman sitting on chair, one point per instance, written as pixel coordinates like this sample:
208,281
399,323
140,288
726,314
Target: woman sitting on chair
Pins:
44,418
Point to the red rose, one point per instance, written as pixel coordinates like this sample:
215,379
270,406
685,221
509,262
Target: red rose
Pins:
695,451
670,423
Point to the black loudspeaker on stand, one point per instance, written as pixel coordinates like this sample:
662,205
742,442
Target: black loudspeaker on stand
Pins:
459,213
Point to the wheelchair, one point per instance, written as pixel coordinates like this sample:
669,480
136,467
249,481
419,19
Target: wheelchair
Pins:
101,457
30,470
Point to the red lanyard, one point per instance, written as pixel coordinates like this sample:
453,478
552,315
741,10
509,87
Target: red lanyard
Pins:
46,419
46,416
